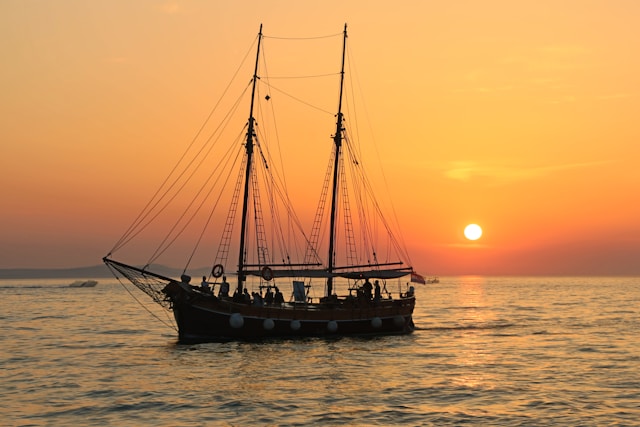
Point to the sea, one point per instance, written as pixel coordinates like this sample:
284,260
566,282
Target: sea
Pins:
487,351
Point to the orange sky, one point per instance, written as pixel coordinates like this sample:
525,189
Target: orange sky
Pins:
518,116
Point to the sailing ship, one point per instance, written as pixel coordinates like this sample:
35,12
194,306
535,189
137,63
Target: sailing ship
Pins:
355,299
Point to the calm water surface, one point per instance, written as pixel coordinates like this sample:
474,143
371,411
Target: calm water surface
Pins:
488,351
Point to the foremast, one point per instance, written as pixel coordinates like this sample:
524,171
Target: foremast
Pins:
337,140
249,165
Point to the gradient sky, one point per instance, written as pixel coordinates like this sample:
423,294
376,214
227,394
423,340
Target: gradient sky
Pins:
521,116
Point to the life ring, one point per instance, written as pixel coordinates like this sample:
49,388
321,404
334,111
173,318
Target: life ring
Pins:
217,270
266,273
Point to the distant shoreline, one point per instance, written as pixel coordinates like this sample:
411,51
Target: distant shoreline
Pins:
94,271
98,271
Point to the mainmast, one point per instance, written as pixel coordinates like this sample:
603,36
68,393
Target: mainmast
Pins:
337,140
247,177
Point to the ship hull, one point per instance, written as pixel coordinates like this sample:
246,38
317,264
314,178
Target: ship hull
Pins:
201,317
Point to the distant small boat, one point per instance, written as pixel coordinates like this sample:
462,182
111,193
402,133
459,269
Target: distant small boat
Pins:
84,284
433,280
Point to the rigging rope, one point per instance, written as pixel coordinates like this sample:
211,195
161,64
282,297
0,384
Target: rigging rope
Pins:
215,205
170,325
400,244
147,309
297,99
138,224
126,237
304,38
161,247
311,76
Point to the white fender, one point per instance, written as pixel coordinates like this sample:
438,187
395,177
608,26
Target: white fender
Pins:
332,326
295,325
268,324
236,321
376,322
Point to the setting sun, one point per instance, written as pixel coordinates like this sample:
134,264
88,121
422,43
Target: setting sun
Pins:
473,232
438,127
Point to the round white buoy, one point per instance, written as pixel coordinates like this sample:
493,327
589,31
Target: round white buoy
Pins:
268,324
376,322
295,325
332,326
236,321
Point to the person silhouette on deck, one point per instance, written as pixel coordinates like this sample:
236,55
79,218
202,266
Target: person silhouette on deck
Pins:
205,285
224,288
377,295
257,299
278,298
367,288
268,297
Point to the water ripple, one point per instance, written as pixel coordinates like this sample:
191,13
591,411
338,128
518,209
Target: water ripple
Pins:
510,352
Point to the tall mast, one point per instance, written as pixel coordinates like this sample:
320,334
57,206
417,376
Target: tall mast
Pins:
247,177
337,140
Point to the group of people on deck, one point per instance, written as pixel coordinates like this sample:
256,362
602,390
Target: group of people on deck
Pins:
224,286
370,292
272,297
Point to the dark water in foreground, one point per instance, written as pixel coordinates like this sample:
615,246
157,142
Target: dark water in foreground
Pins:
488,351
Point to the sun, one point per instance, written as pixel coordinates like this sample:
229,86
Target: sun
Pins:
473,232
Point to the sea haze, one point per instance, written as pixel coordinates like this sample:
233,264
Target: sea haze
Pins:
93,271
487,351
